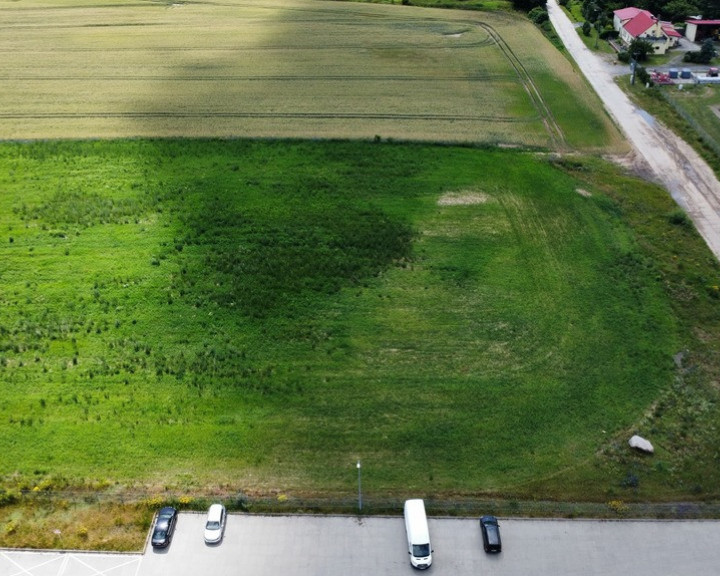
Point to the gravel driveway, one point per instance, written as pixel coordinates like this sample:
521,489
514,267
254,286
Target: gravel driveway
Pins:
672,162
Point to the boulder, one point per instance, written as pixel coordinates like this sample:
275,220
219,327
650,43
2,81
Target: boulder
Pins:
639,443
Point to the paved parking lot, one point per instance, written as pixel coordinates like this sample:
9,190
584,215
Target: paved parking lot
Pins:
20,563
335,545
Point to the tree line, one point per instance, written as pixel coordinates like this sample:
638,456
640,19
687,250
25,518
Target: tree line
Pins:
670,10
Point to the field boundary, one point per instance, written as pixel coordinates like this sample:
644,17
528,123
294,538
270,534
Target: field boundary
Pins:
614,508
553,129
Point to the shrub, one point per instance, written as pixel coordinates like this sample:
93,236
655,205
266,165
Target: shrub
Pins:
642,75
618,506
678,217
8,497
10,527
702,56
630,481
586,28
185,501
609,34
152,503
538,15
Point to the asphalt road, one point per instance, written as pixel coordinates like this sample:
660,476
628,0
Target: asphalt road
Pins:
340,545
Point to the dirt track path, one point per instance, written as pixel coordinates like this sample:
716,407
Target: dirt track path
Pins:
674,163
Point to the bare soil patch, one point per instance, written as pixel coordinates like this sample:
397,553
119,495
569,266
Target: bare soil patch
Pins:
463,197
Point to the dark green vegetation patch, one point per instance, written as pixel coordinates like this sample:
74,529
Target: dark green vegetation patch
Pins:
263,314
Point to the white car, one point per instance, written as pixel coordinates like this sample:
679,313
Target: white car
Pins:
215,525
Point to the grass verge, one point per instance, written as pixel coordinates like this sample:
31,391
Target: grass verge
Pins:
688,112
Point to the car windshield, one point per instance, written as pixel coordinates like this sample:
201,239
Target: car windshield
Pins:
160,534
212,525
421,550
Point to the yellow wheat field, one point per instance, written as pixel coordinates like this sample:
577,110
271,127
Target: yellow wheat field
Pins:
267,68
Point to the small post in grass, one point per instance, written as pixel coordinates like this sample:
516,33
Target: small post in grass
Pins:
359,469
633,64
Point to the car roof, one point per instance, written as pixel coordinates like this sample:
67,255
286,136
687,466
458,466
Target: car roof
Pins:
215,511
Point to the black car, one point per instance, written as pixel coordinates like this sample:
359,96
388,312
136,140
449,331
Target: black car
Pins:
164,527
490,534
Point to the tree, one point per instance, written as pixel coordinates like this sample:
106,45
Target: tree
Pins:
652,6
527,5
586,27
709,8
679,10
642,75
702,56
590,10
707,51
640,49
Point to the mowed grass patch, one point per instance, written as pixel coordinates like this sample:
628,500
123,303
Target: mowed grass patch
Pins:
259,315
267,69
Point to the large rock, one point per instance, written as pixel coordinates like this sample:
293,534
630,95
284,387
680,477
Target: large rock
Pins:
639,443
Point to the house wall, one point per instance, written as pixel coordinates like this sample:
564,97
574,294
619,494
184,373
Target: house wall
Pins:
660,41
625,36
660,46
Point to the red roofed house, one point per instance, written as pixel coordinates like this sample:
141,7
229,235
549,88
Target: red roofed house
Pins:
621,17
671,33
634,23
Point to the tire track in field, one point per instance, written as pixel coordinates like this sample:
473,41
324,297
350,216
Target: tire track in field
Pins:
264,115
245,78
553,129
255,48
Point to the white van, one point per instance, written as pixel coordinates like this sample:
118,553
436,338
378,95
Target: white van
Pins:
418,535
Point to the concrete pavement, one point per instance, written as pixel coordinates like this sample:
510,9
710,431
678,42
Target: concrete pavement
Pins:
337,545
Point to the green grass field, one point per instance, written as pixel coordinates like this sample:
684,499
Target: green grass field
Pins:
260,315
298,68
